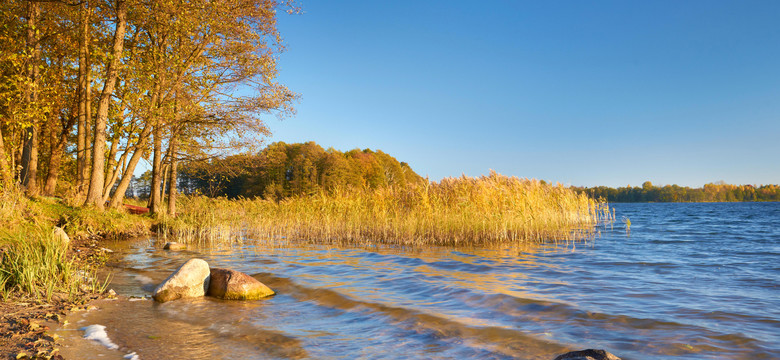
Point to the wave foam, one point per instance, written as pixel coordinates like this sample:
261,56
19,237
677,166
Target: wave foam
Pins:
98,333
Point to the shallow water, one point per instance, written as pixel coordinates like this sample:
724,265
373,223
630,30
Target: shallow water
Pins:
691,281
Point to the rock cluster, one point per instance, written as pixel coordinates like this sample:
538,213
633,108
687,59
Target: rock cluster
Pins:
196,279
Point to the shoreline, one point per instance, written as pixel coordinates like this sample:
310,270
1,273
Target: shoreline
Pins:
73,345
28,319
28,235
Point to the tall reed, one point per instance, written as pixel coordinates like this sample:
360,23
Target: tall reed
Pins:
491,209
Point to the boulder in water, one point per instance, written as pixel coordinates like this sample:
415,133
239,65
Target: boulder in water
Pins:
235,285
190,280
589,354
174,246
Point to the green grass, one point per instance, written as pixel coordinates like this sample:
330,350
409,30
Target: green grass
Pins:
37,266
34,264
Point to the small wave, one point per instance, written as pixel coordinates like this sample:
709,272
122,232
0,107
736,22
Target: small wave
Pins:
669,241
620,264
571,323
498,340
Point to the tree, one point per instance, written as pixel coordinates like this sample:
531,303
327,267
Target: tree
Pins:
95,193
84,96
29,173
203,52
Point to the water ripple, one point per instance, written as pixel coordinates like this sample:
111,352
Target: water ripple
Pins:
693,281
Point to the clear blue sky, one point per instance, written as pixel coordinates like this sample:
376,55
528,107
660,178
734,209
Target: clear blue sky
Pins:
578,92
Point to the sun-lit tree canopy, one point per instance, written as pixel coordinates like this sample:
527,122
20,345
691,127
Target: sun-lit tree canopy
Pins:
89,88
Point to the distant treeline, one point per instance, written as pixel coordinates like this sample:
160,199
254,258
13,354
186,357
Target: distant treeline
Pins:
282,170
718,192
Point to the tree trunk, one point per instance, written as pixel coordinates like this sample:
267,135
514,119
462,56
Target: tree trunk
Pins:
173,181
155,197
16,157
83,93
173,177
29,163
89,130
127,174
58,140
114,175
95,194
166,175
59,128
143,137
111,167
5,172
29,171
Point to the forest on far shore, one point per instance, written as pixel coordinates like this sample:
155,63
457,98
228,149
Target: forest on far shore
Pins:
282,170
713,192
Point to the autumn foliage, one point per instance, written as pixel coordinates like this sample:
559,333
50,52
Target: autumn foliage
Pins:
283,170
89,88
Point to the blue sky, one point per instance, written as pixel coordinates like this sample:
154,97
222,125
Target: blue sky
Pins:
578,92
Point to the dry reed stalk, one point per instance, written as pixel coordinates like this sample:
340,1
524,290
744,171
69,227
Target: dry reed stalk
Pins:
493,209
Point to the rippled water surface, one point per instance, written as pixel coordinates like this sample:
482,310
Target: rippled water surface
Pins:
691,281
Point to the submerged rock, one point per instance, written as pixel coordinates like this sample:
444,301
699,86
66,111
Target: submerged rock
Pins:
235,285
190,280
173,246
589,354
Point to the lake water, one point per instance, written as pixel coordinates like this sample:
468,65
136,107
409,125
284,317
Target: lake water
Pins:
690,281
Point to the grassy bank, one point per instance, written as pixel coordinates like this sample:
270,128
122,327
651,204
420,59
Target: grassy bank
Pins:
492,209
44,274
35,263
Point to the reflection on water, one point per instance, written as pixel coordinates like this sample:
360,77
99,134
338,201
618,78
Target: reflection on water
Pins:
694,281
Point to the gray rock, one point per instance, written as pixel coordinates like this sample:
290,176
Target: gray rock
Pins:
589,354
235,285
60,236
174,246
190,280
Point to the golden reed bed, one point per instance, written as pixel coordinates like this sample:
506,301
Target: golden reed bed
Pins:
493,209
